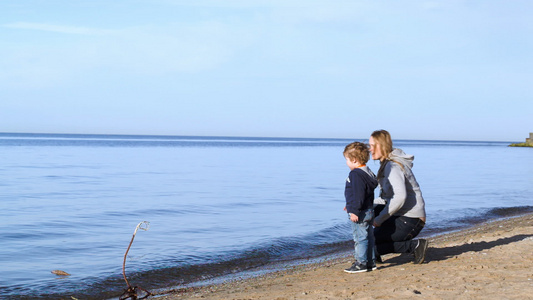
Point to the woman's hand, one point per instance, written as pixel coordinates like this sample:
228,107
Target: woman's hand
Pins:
354,218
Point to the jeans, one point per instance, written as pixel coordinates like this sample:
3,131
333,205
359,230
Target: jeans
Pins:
363,237
396,233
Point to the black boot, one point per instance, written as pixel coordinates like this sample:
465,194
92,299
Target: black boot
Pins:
420,250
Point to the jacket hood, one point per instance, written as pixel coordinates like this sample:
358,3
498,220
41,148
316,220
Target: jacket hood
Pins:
401,157
373,182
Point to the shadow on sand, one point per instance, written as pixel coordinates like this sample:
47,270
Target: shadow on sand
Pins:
440,254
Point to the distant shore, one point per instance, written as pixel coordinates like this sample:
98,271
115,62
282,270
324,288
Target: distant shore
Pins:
493,258
521,145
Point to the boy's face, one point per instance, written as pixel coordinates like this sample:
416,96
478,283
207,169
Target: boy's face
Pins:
351,163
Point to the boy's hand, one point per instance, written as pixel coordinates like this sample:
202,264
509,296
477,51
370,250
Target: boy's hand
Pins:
344,208
353,218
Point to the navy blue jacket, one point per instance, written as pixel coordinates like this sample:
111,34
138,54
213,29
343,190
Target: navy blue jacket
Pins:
359,191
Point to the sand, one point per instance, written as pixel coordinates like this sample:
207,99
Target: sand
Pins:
491,260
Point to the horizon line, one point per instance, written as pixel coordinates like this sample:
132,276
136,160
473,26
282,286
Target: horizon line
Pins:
232,136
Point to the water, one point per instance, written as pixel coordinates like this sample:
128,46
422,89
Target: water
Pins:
216,206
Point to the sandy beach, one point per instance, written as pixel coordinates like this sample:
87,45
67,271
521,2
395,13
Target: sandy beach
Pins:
491,259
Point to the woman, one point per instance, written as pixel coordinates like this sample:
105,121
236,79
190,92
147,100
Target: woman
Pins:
400,209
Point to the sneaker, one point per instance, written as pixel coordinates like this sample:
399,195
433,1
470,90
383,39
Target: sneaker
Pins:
358,268
378,258
420,251
371,267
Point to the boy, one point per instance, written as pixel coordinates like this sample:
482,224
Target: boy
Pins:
359,193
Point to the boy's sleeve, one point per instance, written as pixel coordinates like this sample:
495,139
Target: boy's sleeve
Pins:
354,204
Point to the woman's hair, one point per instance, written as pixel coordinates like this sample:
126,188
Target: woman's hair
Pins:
358,151
383,141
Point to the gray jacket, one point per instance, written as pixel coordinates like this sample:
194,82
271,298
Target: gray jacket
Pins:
400,191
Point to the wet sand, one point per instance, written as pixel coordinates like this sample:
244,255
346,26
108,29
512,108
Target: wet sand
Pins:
494,259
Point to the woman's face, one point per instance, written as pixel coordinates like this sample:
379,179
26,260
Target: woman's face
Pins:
375,149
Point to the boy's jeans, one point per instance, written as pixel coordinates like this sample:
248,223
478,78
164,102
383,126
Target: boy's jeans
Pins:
363,237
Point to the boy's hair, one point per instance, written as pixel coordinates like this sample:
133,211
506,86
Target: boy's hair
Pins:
383,141
358,151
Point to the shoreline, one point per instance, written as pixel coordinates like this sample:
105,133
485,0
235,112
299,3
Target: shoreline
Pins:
467,263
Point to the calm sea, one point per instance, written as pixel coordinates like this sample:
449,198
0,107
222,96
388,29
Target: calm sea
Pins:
216,205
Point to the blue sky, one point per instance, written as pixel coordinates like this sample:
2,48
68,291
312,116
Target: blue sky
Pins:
452,70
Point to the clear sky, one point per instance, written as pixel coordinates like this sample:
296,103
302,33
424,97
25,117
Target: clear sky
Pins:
450,69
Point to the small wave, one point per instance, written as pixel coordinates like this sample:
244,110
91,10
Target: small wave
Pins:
511,211
330,240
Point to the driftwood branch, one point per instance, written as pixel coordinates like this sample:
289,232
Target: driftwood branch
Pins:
132,292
